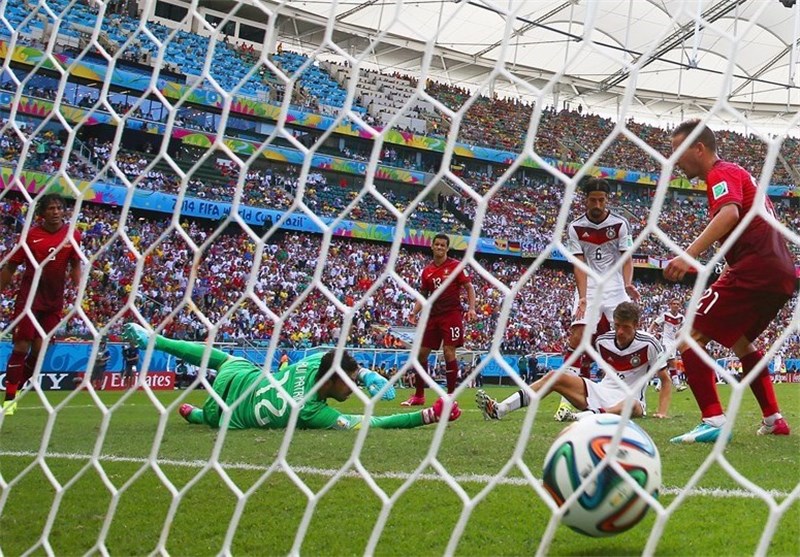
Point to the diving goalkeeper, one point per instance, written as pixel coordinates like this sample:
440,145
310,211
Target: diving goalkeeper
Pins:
265,405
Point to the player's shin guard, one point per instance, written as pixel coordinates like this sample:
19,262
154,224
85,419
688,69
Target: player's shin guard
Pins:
762,385
452,375
701,379
15,371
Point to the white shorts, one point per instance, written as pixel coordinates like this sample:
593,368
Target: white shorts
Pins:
606,308
671,350
603,395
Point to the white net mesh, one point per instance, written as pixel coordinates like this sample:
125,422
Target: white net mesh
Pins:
266,177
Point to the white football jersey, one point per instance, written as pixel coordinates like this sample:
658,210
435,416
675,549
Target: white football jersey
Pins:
670,326
630,364
602,245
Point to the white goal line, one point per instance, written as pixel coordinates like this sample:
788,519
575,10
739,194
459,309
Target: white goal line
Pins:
481,479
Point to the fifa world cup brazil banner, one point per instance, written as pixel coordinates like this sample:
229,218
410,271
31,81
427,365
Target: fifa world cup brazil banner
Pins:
108,194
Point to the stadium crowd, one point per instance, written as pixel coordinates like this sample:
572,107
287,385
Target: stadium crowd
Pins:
524,208
283,275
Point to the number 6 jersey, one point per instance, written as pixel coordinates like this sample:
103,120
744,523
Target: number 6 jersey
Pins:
602,245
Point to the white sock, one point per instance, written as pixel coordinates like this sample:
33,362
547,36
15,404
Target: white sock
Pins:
513,402
716,421
770,420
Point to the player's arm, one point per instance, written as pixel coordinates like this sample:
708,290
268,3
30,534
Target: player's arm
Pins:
471,315
723,222
412,318
330,418
654,325
581,279
374,382
665,394
75,271
7,274
627,277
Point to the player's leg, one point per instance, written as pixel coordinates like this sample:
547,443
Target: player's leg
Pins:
418,398
721,317
191,414
431,340
637,410
701,378
731,316
451,367
192,352
22,340
48,321
453,328
576,330
569,386
773,422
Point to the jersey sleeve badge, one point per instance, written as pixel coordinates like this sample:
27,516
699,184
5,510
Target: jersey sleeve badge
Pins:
718,190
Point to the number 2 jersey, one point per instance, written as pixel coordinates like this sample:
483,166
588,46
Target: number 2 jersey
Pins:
264,405
602,244
55,253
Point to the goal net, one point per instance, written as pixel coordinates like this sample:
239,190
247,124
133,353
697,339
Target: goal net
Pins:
267,178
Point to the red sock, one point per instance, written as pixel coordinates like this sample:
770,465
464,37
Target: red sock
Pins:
452,375
30,366
419,387
702,381
14,374
762,385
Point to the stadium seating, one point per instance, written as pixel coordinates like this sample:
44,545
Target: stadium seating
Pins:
540,311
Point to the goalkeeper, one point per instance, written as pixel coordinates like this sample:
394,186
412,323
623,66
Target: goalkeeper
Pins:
266,403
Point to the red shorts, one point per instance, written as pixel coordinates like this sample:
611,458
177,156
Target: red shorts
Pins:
25,330
726,313
447,328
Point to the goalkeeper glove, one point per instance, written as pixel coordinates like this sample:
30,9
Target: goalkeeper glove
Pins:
434,413
374,382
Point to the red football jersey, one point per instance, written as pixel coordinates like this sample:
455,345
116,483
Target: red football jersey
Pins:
433,276
759,259
52,283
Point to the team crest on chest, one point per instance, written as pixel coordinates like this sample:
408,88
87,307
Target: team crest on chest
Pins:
611,233
635,360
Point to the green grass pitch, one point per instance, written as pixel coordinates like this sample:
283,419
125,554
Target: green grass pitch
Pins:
721,518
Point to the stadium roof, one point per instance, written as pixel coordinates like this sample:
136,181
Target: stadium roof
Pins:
683,52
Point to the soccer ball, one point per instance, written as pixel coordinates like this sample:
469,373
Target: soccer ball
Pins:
609,504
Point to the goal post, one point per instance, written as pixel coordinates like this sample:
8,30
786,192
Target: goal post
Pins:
267,178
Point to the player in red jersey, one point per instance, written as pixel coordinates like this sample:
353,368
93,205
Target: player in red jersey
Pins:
57,254
445,326
758,279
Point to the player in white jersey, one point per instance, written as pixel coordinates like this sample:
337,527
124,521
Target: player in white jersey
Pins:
599,238
631,358
671,322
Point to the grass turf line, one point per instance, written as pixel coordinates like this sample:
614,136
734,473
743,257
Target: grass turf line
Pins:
509,521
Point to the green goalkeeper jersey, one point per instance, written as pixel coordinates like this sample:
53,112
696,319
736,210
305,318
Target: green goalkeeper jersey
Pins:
267,404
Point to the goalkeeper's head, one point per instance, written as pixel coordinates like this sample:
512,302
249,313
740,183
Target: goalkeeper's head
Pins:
335,386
